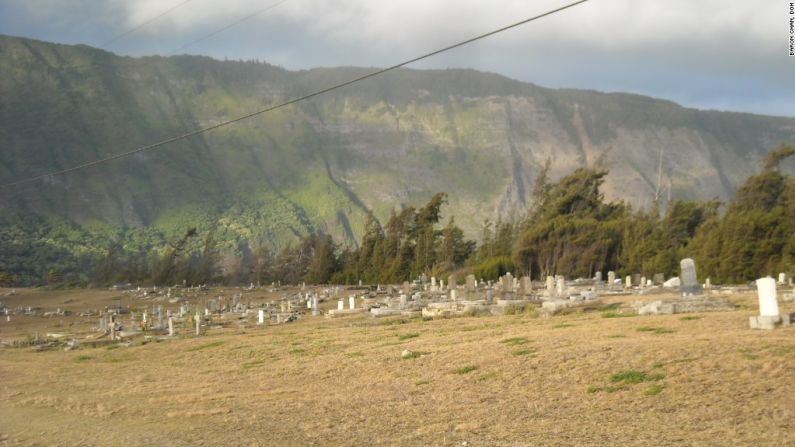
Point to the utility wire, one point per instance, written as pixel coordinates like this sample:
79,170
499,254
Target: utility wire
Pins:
224,28
289,102
141,25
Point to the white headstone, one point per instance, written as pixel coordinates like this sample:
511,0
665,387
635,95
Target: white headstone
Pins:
340,305
351,302
768,303
782,278
261,317
628,282
453,294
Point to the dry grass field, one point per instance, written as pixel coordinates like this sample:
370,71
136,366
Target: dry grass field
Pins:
584,379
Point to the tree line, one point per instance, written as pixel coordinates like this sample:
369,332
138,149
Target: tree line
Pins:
569,230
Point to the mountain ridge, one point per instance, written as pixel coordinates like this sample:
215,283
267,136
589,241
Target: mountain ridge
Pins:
324,164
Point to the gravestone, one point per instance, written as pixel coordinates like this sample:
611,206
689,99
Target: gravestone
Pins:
351,302
690,285
642,281
261,317
768,302
658,279
170,326
560,285
782,278
550,286
525,286
597,277
315,308
340,305
507,282
769,315
453,295
404,301
628,282
452,282
489,296
611,278
406,287
472,284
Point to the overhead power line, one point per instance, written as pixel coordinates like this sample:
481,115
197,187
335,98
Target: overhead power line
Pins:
226,27
289,102
142,24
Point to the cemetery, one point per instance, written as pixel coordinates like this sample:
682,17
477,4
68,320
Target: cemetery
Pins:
434,361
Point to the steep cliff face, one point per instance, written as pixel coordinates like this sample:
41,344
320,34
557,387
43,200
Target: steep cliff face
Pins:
324,164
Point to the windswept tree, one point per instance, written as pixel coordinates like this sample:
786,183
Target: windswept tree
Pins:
572,231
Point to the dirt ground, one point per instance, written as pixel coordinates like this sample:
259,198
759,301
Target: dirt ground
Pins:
584,379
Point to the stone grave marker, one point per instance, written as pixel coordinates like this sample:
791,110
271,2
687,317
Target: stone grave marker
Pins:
690,285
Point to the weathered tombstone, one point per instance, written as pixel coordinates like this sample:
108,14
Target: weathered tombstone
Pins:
550,286
453,295
628,282
768,301
406,287
472,284
642,281
261,316
315,307
560,285
769,315
489,296
658,279
782,278
690,285
340,305
452,281
433,281
441,284
170,326
525,286
198,320
103,324
351,302
597,277
404,300
611,278
707,284
506,282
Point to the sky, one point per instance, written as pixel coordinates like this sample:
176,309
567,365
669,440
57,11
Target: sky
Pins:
710,54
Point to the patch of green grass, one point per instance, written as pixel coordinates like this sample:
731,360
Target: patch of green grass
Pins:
253,364
515,341
608,389
297,352
562,325
206,346
524,352
653,390
487,376
408,336
112,347
465,369
355,354
690,318
655,330
422,382
629,376
83,358
414,355
612,314
617,336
